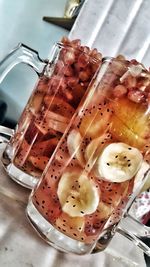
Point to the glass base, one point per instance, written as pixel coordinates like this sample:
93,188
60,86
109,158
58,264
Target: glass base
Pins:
20,177
52,236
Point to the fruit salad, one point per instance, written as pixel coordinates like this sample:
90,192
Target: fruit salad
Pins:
102,157
52,104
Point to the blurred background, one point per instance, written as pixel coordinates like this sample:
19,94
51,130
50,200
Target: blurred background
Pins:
21,21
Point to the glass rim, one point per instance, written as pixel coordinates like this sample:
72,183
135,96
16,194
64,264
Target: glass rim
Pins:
127,62
93,58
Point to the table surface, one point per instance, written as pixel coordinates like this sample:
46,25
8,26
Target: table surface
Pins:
20,246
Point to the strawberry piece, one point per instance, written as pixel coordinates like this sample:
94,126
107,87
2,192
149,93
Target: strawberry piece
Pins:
59,106
44,148
36,101
39,162
33,133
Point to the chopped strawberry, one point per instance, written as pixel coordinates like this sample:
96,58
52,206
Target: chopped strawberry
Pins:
39,162
44,148
59,106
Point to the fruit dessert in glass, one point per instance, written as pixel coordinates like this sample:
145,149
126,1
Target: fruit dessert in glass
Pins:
52,104
99,162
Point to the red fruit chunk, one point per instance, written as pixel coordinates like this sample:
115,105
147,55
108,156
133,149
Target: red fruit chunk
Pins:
43,85
136,96
32,133
130,82
85,75
72,81
56,84
69,56
78,93
59,106
68,71
49,124
44,148
119,90
39,162
59,66
76,43
83,60
22,153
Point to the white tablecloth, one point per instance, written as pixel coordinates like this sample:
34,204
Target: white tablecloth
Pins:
20,246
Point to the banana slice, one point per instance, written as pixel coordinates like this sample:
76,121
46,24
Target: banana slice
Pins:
77,194
94,149
95,121
119,162
104,210
140,175
74,142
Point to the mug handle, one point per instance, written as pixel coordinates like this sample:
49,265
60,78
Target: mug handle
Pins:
20,54
6,131
129,227
135,231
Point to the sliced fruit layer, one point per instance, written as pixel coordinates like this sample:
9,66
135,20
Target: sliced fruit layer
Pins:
39,162
130,122
95,121
74,144
77,194
36,102
94,149
59,106
45,148
49,124
122,133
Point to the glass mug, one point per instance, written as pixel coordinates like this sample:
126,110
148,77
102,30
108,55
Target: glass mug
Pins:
63,80
99,165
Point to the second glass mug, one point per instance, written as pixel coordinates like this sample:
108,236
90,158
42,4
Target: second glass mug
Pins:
99,166
63,80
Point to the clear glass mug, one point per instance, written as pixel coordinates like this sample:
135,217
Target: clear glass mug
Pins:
63,80
99,165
